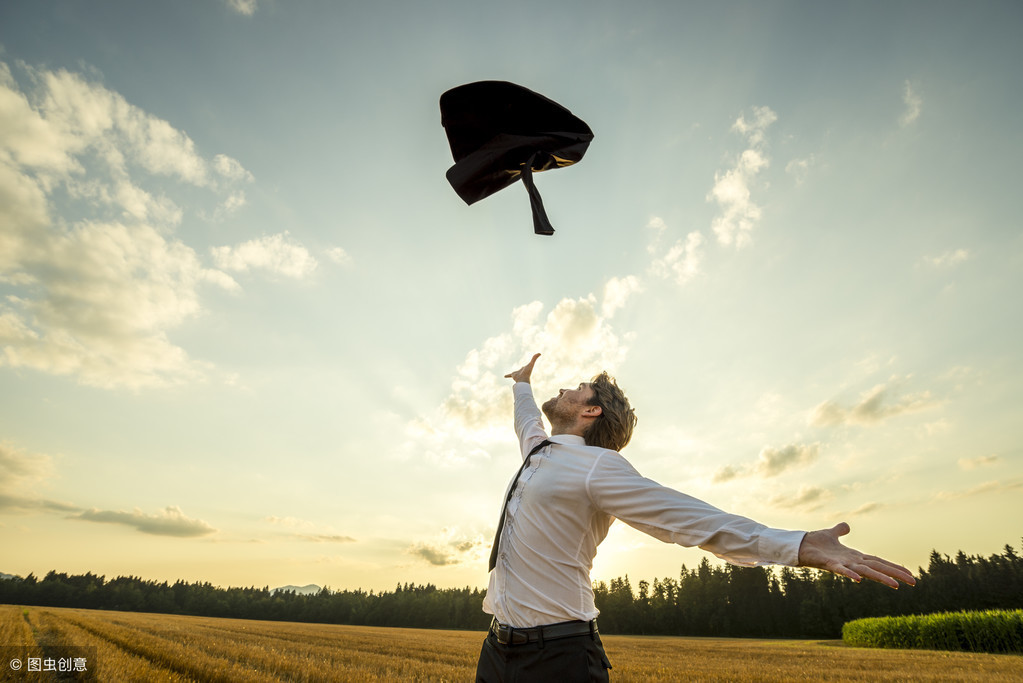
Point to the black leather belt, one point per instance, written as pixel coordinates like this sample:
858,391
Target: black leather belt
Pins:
509,635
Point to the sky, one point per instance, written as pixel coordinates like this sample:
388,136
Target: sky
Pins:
250,335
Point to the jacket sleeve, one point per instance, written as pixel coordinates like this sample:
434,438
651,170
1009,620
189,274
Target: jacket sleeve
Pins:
528,419
616,488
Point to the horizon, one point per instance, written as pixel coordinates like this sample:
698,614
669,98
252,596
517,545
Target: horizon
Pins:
772,569
247,328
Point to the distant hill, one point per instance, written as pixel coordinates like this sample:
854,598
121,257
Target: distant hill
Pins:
7,576
311,589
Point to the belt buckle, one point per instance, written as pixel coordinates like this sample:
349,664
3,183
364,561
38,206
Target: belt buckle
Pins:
501,632
507,635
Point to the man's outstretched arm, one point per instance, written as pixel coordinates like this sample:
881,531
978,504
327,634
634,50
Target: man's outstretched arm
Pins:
528,421
822,550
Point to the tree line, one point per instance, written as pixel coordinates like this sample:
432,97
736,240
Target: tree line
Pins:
801,603
706,601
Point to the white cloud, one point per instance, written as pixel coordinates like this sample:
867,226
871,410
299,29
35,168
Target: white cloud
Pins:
727,473
978,462
656,223
339,256
67,125
575,341
244,7
807,499
104,296
24,217
874,406
914,105
799,168
986,488
772,461
866,509
171,521
731,190
84,116
20,471
273,253
755,130
304,530
231,168
948,259
617,291
682,261
451,547
234,202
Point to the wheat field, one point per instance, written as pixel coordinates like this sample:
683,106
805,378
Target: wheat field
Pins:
127,646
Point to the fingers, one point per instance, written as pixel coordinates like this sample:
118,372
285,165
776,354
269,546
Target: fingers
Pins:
878,576
878,570
523,373
898,573
845,571
879,567
840,529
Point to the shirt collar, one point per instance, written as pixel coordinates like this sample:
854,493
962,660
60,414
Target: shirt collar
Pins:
568,439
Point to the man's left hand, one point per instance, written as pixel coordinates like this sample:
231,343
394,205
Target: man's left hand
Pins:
822,550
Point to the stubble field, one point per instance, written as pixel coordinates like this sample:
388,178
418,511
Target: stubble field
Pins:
126,646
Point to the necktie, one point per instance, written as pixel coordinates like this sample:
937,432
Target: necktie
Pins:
504,510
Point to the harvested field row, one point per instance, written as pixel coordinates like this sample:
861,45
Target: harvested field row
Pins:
158,647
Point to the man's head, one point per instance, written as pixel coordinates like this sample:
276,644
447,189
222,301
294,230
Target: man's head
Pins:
597,410
613,428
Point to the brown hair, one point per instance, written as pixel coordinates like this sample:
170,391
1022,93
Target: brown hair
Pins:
613,428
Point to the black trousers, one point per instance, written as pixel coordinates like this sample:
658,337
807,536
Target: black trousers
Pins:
565,660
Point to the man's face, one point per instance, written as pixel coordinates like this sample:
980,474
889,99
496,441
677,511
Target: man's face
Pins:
569,403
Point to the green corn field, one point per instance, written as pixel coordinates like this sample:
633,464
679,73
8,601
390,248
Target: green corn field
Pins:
994,631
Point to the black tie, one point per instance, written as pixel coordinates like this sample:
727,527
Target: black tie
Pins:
504,510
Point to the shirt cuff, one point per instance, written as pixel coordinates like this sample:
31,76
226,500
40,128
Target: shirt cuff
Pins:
779,546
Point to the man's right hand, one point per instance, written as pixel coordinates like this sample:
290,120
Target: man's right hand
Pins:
523,373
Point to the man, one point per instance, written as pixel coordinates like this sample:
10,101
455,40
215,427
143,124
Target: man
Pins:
559,507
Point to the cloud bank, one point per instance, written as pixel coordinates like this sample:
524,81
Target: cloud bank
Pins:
95,278
95,296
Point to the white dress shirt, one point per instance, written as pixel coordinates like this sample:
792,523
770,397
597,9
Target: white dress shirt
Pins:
562,507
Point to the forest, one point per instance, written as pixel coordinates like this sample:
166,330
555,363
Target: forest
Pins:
709,600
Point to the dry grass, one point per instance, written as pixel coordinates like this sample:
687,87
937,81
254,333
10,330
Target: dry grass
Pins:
158,647
730,659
